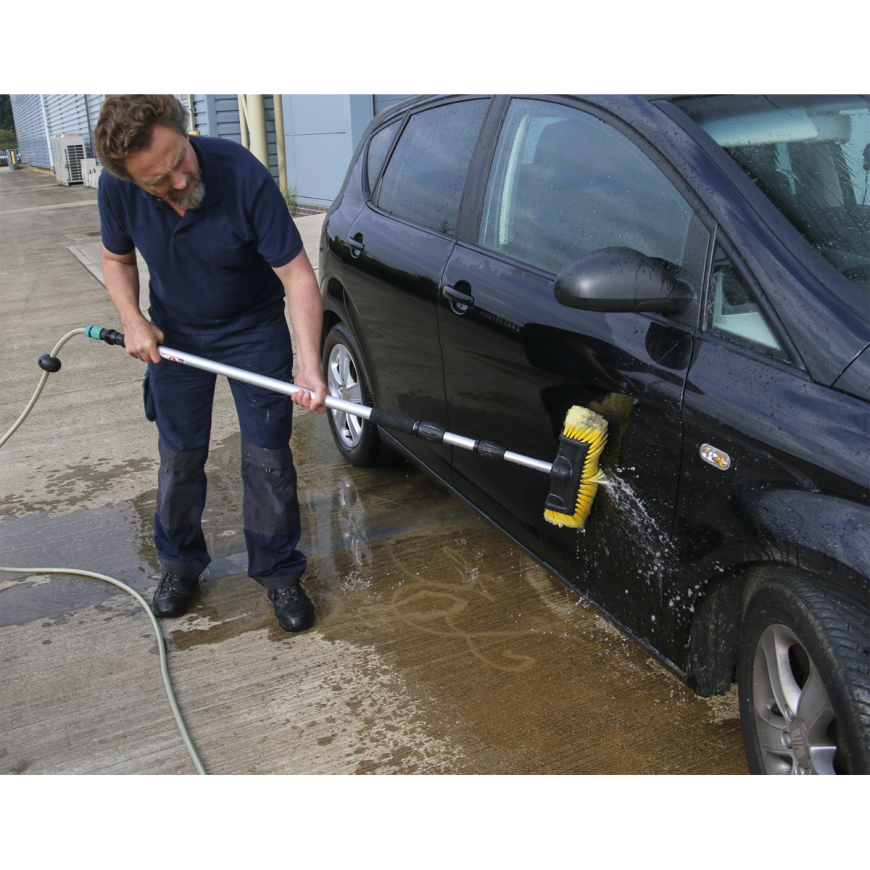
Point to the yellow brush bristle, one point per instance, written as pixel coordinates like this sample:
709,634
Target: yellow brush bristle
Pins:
584,425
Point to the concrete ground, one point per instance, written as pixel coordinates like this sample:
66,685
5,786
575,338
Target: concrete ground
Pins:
440,647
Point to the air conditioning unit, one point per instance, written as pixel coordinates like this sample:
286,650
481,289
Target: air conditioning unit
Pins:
67,153
91,172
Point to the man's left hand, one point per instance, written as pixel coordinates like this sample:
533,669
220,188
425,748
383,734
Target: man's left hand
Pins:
311,380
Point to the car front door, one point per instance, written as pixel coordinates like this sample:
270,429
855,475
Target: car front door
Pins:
563,183
398,246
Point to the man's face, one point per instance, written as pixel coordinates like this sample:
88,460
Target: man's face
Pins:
168,168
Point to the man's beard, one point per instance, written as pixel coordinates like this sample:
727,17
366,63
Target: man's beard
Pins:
192,195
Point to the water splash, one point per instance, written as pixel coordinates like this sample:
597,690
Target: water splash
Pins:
651,546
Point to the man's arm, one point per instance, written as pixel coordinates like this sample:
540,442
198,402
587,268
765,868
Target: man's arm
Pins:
306,318
121,276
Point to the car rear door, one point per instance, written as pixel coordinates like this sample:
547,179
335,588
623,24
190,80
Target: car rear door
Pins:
399,244
562,183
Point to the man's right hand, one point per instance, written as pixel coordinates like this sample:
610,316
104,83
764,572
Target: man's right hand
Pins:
121,276
141,339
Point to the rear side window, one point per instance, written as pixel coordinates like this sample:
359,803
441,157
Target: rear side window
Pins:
378,147
424,179
564,184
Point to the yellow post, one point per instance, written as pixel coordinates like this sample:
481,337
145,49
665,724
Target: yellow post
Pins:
255,109
243,120
279,140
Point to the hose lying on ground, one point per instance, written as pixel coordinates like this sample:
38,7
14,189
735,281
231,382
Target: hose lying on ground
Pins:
50,363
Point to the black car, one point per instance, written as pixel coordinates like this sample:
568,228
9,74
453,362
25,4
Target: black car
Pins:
696,270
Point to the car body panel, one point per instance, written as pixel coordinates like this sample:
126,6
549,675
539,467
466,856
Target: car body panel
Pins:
398,305
513,381
855,380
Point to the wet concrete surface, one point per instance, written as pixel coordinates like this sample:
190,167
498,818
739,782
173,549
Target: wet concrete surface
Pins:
440,646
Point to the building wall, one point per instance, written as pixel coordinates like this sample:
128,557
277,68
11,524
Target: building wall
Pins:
321,132
38,117
30,130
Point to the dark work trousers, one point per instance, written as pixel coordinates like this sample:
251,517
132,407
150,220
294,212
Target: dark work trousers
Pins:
179,398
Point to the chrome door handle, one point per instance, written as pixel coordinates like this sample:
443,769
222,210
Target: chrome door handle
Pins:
457,296
356,245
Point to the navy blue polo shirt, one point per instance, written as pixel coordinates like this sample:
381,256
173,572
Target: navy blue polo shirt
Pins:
211,269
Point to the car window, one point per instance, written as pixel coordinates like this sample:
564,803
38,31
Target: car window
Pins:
424,179
811,157
378,147
734,311
564,184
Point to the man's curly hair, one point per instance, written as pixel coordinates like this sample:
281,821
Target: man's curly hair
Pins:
126,123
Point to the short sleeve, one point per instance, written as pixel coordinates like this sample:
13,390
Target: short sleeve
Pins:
277,239
115,237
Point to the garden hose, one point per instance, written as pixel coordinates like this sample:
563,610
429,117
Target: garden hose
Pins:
49,363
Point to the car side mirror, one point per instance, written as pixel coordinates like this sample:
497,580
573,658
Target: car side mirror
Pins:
620,279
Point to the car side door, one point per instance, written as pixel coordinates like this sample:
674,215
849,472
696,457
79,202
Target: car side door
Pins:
562,183
398,246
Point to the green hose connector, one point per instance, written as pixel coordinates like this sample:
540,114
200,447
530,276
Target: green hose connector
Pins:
107,335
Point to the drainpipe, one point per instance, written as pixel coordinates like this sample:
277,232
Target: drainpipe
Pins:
47,134
255,109
279,140
90,131
243,119
190,122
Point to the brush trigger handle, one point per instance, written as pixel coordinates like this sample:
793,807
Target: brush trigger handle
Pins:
489,450
429,431
401,423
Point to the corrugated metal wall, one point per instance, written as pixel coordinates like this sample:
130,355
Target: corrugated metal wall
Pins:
199,113
40,116
71,113
321,130
218,115
30,129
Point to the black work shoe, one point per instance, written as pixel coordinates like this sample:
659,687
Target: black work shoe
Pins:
293,608
172,596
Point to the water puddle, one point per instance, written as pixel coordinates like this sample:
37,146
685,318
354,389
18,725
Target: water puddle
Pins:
505,669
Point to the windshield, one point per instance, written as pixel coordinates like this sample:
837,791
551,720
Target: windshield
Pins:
810,156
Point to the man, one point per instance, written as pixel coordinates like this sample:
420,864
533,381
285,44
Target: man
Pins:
223,253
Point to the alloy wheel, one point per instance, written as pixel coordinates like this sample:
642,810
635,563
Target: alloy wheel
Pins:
343,381
794,718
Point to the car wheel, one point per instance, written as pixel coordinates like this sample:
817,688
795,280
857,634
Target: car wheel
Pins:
356,438
803,678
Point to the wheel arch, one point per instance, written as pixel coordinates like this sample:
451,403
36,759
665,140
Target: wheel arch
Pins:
715,629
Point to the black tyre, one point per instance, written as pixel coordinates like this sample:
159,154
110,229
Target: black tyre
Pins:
803,678
357,439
